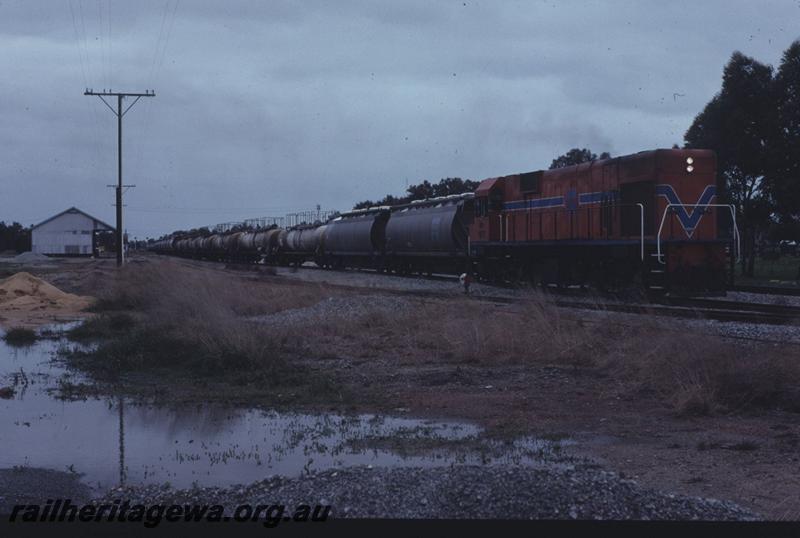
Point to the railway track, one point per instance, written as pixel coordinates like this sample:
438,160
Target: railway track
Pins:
724,311
694,302
729,311
768,290
679,307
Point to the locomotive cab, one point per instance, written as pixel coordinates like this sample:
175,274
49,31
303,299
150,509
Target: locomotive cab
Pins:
488,220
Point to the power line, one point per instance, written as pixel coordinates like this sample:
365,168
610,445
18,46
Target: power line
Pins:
83,55
205,210
101,38
149,82
169,34
109,46
162,42
77,43
158,42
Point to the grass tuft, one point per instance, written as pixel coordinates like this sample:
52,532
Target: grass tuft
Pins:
20,337
180,321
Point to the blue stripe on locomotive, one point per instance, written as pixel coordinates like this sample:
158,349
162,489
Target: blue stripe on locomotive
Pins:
558,201
688,219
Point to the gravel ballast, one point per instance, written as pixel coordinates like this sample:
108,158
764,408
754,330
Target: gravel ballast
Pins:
342,308
457,492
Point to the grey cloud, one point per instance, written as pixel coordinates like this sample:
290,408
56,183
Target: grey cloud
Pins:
268,107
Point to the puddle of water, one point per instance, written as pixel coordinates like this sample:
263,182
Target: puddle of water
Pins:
112,441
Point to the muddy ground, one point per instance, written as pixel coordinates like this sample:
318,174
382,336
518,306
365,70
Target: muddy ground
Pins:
749,457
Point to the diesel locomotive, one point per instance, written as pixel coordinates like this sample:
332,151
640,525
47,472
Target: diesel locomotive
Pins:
652,218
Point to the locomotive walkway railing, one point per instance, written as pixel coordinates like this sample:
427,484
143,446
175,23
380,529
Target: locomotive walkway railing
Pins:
641,233
660,255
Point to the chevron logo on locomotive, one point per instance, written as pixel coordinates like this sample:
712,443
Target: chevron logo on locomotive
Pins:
689,220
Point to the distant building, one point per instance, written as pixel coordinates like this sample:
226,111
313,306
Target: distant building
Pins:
70,233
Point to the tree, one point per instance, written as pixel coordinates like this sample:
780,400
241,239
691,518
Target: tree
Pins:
420,191
426,189
454,185
782,183
577,156
14,237
739,124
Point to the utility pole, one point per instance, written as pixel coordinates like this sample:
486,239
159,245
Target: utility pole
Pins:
119,113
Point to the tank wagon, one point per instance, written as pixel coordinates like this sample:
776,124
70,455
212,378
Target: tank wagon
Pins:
302,244
357,239
163,246
430,235
652,217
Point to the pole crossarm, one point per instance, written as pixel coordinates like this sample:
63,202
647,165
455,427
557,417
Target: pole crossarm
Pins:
104,93
148,93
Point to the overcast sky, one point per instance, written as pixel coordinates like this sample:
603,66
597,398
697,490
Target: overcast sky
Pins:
267,107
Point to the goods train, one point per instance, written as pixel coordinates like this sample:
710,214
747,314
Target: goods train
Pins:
651,218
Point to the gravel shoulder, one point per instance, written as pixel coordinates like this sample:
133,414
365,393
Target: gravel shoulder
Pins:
345,308
503,492
750,335
763,298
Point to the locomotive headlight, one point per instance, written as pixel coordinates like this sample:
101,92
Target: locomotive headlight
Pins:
690,168
689,160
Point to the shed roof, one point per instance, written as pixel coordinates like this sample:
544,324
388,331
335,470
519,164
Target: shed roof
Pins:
73,209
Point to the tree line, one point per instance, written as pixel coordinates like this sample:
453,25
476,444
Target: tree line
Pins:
456,185
14,237
753,125
421,191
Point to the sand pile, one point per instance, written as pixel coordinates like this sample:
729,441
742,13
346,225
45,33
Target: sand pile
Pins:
23,292
30,257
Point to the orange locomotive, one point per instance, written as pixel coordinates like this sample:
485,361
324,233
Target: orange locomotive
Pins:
654,214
